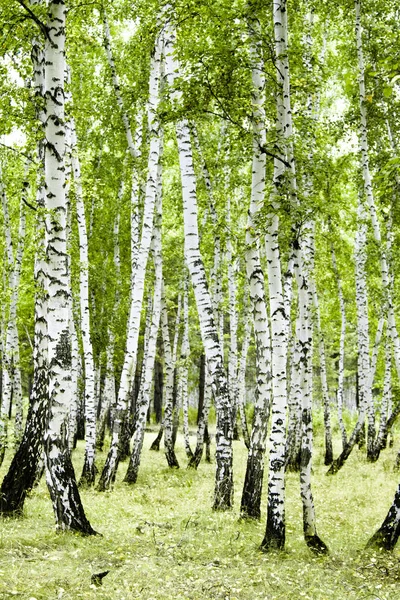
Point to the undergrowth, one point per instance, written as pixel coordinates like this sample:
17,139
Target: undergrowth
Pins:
161,540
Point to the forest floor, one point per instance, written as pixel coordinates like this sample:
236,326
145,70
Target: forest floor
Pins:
161,540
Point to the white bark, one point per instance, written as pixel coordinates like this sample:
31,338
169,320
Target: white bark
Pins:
147,377
242,368
340,389
60,475
223,495
168,388
128,370
388,300
233,318
88,471
252,488
183,374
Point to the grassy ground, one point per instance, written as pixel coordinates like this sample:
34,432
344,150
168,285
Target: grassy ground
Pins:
160,539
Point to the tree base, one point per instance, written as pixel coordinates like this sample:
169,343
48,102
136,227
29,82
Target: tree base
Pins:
88,476
380,541
272,543
316,545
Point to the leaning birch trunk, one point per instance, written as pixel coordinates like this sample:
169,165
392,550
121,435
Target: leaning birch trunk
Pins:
363,338
223,492
311,537
387,535
328,458
68,509
381,439
233,320
388,300
24,467
144,394
293,440
21,474
252,487
109,391
216,270
339,393
169,391
241,378
110,468
88,471
204,404
16,380
11,376
183,375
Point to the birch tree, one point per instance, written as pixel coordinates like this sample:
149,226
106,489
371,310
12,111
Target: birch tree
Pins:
60,476
110,468
223,492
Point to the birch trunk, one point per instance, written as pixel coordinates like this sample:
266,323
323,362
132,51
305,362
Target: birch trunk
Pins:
205,393
252,487
183,374
363,339
88,471
144,394
60,474
339,393
110,468
324,377
223,493
169,392
233,322
242,370
312,539
387,535
275,529
293,441
11,375
21,474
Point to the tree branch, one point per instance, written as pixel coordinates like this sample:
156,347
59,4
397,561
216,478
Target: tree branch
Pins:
35,18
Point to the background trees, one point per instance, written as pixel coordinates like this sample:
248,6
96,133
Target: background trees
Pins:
199,96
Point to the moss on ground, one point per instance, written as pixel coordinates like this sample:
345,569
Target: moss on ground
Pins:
161,540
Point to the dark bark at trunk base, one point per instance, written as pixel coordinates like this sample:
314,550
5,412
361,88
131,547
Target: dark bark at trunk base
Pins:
156,444
88,475
127,430
64,494
19,480
387,535
158,390
207,439
338,463
27,464
273,540
195,458
171,458
252,487
101,432
328,459
132,473
316,544
107,477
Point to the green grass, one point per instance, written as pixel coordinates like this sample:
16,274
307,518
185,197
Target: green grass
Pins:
161,540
